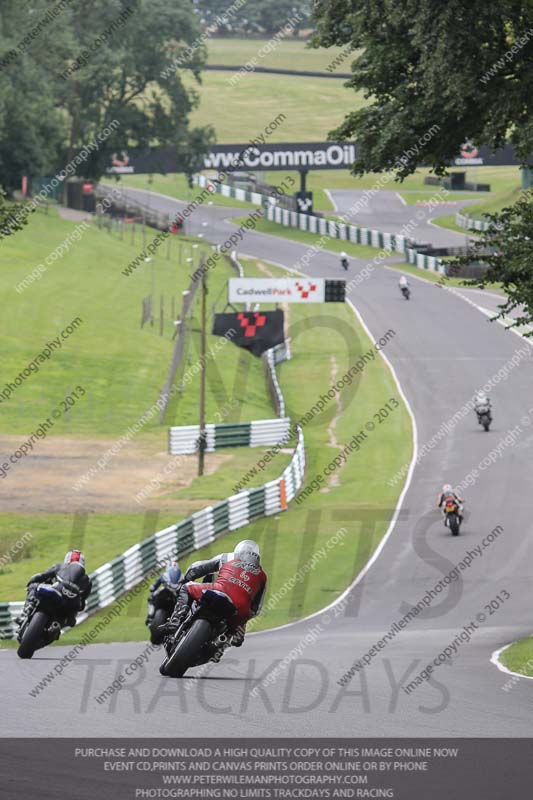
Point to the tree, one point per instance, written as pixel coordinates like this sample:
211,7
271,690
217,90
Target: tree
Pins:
506,249
31,124
131,77
253,16
466,67
92,64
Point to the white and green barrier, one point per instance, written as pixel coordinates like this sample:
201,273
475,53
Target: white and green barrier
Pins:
337,230
423,261
183,440
271,357
470,223
113,579
232,191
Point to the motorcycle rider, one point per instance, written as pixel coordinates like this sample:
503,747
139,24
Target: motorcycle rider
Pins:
482,405
171,579
72,569
404,284
240,577
447,493
344,260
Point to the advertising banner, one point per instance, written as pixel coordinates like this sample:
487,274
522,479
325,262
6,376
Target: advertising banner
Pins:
276,290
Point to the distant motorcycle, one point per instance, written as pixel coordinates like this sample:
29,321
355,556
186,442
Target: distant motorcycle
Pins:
160,607
344,263
405,291
50,608
452,516
484,417
200,636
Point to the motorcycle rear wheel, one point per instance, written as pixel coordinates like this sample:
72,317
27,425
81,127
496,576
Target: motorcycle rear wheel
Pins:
33,636
186,653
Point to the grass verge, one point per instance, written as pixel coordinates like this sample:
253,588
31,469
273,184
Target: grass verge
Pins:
519,657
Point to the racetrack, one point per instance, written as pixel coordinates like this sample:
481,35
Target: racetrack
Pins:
443,350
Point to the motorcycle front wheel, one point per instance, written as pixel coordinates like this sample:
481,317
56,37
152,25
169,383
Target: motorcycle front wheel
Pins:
186,653
34,635
160,617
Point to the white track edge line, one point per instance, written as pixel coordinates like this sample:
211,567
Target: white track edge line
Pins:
397,509
495,659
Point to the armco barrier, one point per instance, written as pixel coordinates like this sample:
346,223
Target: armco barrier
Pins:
183,440
275,355
471,224
111,580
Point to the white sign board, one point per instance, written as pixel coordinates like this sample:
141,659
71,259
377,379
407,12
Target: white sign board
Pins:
276,290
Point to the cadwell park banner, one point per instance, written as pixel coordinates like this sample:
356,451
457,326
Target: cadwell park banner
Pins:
292,156
276,290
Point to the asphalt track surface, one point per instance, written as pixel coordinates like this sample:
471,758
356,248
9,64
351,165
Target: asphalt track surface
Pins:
387,211
444,348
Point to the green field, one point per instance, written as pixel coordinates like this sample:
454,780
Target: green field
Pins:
519,657
122,366
289,54
227,107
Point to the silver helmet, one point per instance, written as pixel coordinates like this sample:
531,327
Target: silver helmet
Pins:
248,551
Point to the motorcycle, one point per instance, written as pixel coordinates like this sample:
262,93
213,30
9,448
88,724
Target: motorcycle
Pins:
344,263
405,291
484,418
49,609
200,636
452,516
160,607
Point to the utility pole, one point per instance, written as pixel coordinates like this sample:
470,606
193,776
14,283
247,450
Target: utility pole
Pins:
202,443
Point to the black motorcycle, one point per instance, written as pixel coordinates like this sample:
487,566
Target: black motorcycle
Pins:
160,606
484,418
49,608
453,517
344,263
200,636
406,292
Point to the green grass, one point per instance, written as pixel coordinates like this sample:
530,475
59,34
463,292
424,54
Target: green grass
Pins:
304,237
227,107
449,223
290,54
519,657
121,365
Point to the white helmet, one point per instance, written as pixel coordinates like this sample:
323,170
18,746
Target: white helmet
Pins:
343,255
248,551
447,488
481,397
